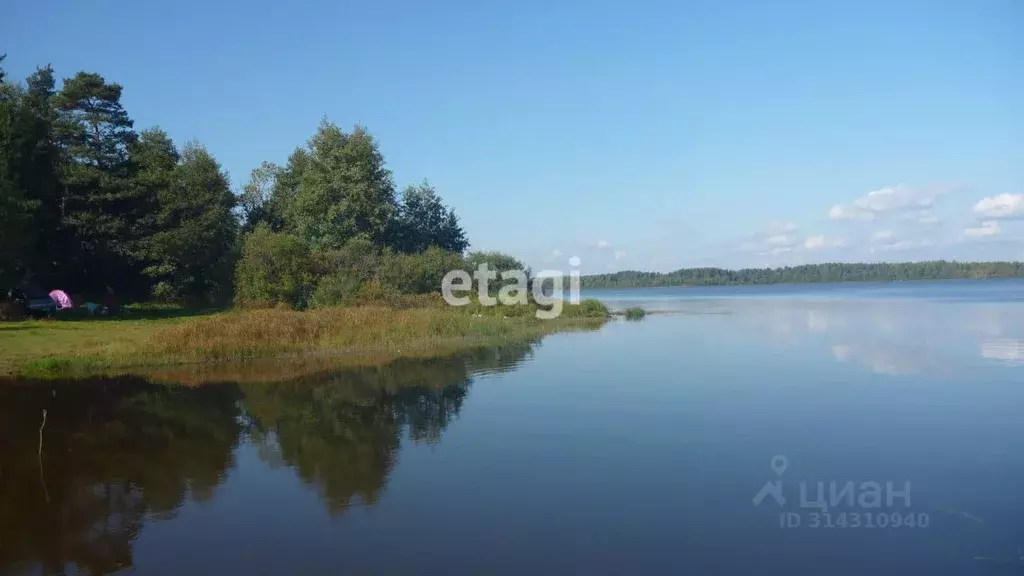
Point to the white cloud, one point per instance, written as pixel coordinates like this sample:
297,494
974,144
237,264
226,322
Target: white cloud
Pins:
619,254
820,242
987,228
886,240
884,237
895,198
901,245
780,240
555,254
784,237
776,251
775,228
1001,206
814,242
602,244
926,219
885,200
840,212
775,235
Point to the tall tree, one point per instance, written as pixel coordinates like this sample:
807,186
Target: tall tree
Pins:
99,205
422,220
195,244
29,229
153,160
278,215
341,189
40,173
15,208
258,202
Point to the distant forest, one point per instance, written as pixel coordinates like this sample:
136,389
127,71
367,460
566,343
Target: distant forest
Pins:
829,272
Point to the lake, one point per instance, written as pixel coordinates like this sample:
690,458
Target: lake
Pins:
693,441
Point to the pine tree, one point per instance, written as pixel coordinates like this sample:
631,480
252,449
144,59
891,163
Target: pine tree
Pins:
99,204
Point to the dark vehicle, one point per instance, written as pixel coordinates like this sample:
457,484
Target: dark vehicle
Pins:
35,302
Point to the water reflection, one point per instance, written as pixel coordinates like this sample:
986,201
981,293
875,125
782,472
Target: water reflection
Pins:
901,337
884,337
1007,350
111,453
116,453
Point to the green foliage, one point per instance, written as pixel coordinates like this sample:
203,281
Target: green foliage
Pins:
15,208
495,260
193,247
828,272
418,273
336,289
27,180
344,272
587,308
358,272
341,189
99,206
87,203
258,201
424,221
152,160
634,313
39,172
274,268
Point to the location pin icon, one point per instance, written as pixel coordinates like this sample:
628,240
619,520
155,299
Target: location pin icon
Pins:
779,464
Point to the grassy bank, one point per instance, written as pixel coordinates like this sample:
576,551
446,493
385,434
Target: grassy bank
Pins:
371,333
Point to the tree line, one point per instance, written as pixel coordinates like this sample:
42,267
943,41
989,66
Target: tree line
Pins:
827,272
87,202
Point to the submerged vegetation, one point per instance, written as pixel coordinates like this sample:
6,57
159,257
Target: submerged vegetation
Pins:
829,272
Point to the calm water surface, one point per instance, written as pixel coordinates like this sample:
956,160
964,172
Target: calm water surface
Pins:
635,449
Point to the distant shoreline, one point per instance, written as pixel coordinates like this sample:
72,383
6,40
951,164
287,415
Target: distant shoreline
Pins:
827,273
809,283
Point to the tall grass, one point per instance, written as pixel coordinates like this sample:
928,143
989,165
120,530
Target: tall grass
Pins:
412,327
634,313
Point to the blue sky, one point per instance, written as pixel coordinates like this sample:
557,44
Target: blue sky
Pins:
650,135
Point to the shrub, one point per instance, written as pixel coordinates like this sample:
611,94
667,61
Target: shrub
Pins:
342,273
11,311
418,273
274,267
589,308
358,258
165,292
334,290
634,313
495,261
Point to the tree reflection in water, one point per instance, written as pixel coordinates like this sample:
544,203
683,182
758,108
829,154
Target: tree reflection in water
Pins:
118,452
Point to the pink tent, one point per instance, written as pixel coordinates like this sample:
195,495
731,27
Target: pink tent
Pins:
61,298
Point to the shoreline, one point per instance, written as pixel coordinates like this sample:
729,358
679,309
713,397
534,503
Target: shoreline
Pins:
342,336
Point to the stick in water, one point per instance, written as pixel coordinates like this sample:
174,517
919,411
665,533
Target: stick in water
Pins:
42,477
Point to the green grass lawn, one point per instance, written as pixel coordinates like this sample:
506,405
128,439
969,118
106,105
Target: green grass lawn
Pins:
38,341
